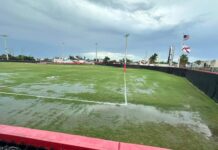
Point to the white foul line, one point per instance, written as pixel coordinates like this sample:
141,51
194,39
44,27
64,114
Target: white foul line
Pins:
125,92
57,98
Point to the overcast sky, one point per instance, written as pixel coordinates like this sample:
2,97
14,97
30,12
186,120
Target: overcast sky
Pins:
48,28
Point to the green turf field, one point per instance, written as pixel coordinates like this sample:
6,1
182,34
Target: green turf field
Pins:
164,110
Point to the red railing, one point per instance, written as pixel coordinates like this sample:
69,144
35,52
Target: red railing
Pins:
62,141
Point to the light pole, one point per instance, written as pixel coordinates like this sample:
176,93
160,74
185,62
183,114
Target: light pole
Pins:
5,44
62,45
96,52
125,90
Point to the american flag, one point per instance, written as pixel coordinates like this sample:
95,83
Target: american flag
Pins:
186,49
186,37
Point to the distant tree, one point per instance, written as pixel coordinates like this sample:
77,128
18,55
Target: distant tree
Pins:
153,58
183,60
47,60
79,57
163,62
72,58
17,58
106,60
112,62
20,57
29,58
3,57
10,57
198,62
175,63
127,61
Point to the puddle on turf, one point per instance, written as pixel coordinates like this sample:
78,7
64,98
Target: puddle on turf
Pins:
54,90
5,77
117,90
140,80
140,114
38,113
138,85
148,91
52,78
144,91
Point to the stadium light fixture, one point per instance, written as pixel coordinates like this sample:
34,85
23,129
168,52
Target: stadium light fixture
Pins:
4,36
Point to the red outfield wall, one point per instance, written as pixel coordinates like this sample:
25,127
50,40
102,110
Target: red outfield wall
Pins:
61,141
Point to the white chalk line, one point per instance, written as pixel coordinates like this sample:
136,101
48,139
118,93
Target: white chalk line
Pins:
57,98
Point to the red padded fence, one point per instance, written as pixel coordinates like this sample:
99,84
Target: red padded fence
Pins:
62,141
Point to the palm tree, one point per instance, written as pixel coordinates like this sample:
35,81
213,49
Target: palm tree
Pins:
153,58
106,60
198,62
183,60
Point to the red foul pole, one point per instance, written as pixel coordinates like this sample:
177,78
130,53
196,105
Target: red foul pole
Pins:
124,68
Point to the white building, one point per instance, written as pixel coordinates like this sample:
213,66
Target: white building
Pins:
58,60
214,63
206,64
67,61
210,63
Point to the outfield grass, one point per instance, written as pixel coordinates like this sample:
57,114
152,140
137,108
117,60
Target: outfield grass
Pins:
164,110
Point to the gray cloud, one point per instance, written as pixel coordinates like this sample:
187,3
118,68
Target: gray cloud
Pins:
152,25
123,5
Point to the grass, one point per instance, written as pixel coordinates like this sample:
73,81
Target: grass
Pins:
168,109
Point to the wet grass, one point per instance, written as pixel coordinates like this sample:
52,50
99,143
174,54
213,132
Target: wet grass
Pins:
167,93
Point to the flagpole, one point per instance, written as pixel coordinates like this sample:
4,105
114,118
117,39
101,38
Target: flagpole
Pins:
182,43
125,90
185,48
96,53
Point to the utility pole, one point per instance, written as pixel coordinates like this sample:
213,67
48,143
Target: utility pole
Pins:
96,53
125,90
5,44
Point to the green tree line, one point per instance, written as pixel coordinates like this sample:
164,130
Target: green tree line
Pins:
3,57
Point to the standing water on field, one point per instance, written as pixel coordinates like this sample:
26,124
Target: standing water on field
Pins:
72,116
